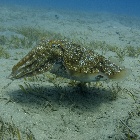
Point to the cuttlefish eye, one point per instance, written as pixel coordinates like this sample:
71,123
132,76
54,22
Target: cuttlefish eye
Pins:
56,46
99,77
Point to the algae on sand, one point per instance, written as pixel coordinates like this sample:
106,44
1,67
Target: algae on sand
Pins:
4,53
10,131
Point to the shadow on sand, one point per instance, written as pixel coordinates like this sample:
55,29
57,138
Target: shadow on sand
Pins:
85,98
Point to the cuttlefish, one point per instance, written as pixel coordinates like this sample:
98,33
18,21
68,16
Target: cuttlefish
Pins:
66,59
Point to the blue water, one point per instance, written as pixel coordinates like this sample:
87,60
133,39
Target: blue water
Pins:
123,7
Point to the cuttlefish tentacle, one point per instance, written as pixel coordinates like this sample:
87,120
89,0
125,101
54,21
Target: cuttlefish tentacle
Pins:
78,63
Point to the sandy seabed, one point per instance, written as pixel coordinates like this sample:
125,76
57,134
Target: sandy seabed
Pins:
58,111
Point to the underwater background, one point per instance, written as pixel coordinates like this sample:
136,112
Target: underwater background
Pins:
52,106
126,7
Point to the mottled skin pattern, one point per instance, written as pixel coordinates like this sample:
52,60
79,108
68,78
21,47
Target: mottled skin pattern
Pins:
78,62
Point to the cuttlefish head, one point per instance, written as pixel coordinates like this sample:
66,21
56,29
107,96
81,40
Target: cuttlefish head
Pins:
87,66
